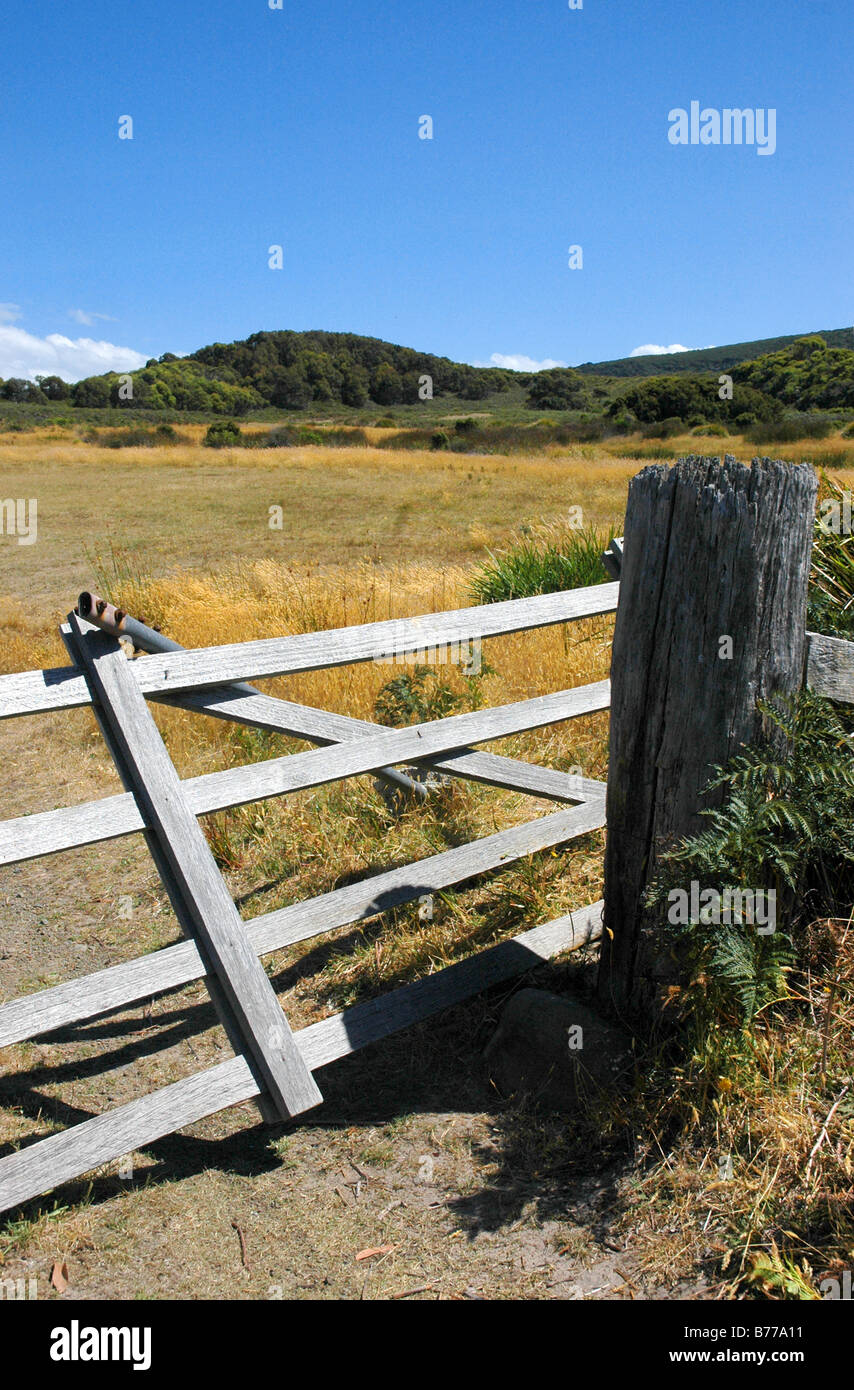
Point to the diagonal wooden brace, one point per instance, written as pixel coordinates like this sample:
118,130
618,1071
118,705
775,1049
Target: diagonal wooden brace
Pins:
217,927
264,1101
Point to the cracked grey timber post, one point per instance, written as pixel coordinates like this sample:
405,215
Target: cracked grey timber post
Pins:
712,550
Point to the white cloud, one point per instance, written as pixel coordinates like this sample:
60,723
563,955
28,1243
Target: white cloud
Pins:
655,349
87,319
518,362
9,312
23,354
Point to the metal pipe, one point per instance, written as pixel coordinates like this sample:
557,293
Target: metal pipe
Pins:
117,623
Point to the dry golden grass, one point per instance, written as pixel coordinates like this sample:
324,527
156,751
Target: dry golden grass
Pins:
185,507
192,552
179,535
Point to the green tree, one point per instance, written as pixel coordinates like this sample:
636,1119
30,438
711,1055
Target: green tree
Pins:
222,434
558,388
669,397
290,391
92,391
354,385
16,389
54,387
386,385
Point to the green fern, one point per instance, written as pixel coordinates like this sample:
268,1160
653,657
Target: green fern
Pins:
749,969
785,824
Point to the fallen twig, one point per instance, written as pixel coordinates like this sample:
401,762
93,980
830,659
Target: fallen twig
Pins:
823,1135
243,1257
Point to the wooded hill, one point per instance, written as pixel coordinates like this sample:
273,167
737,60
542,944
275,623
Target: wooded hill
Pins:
713,359
289,371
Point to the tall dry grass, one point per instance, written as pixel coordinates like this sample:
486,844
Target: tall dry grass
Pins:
285,850
260,599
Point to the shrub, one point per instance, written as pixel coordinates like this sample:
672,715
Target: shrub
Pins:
281,437
664,429
289,436
222,434
624,422
415,697
465,426
788,431
440,440
584,431
750,401
668,397
715,431
344,438
421,694
559,388
136,435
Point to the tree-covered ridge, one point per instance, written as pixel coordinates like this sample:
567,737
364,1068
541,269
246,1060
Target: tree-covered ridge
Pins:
290,370
807,375
287,370
714,359
176,384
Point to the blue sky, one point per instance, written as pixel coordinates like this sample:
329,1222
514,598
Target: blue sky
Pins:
298,127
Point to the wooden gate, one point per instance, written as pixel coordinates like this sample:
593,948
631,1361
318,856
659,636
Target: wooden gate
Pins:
271,1063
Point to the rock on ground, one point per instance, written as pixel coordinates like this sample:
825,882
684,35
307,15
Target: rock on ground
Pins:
554,1050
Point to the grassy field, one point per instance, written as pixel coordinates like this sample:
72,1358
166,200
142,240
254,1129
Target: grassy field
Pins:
180,536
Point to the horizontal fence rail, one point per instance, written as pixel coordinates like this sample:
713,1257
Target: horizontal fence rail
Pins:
46,832
36,692
830,667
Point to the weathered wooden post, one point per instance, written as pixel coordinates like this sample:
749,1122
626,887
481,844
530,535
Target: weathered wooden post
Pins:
712,616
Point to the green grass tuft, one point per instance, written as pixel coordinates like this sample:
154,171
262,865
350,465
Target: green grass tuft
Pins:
545,564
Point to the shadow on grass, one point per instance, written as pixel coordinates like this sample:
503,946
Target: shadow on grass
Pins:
543,1166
